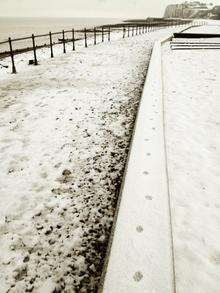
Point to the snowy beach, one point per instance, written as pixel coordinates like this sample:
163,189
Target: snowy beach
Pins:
65,134
65,131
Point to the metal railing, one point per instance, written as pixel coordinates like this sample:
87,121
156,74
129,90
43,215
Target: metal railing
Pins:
72,36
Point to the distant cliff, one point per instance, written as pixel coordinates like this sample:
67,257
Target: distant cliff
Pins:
192,10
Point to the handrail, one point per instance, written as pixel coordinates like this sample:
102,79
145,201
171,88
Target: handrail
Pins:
129,29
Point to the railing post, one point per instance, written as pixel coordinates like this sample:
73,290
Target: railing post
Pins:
132,30
142,28
136,30
64,43
51,45
12,56
102,34
94,36
128,31
73,36
109,32
85,34
34,49
124,31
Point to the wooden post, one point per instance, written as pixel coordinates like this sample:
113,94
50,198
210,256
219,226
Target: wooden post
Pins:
136,29
51,45
124,31
94,36
132,30
128,31
86,45
12,56
73,36
64,43
102,34
34,49
109,33
142,28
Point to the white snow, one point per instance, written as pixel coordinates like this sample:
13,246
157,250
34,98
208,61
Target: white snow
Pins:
65,128
213,28
142,245
192,111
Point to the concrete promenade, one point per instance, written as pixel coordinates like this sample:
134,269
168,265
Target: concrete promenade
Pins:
166,237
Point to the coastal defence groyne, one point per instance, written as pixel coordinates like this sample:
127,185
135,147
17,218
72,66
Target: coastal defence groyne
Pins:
10,48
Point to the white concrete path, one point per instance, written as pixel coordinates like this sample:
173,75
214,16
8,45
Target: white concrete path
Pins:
141,254
167,236
192,112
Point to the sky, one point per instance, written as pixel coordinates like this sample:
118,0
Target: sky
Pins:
86,8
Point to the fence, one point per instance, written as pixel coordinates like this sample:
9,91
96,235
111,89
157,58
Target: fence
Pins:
70,36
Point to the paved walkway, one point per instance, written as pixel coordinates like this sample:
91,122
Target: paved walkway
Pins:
192,111
167,233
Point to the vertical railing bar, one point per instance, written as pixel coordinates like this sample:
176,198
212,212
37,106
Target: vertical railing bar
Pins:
85,35
34,49
109,32
102,34
124,31
12,56
51,45
94,35
73,36
64,43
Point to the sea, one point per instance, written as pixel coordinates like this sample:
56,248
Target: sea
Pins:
22,27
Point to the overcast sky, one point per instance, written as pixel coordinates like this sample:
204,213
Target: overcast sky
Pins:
85,8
